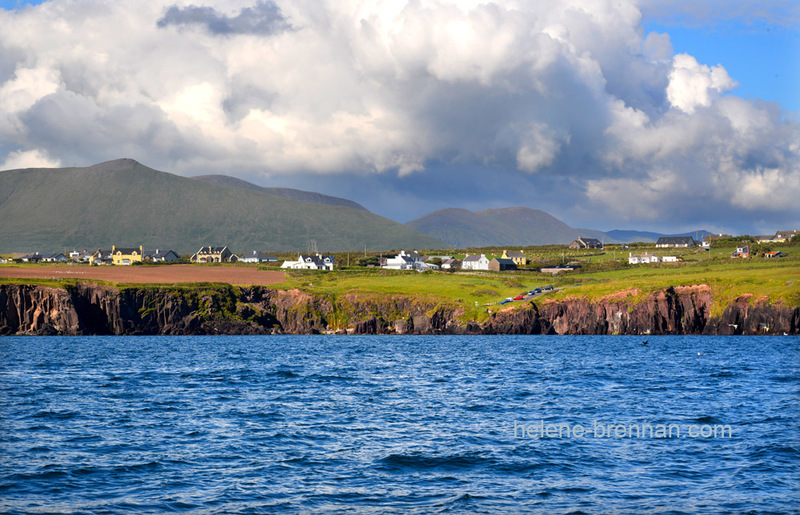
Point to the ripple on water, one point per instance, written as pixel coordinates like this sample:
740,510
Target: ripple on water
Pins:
411,424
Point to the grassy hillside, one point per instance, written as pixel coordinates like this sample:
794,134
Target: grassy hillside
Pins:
125,203
496,227
306,196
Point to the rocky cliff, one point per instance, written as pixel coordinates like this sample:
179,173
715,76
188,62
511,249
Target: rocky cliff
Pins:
89,309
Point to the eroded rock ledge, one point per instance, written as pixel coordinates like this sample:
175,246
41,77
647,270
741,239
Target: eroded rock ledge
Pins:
90,309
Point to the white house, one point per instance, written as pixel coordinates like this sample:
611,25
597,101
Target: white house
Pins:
451,263
475,262
636,259
407,261
257,257
318,262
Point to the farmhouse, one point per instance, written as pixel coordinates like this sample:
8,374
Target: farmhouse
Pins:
214,255
46,258
451,263
161,256
407,261
518,258
475,262
100,257
257,257
784,236
308,262
676,241
586,243
403,261
126,255
637,259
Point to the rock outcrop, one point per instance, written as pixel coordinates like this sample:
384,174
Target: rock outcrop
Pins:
91,309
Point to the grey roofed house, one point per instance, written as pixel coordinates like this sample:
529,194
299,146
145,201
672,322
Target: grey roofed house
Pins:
213,255
56,256
451,263
786,235
159,255
586,243
676,241
100,256
32,258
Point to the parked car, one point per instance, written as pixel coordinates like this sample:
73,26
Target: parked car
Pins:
548,287
537,290
506,301
519,297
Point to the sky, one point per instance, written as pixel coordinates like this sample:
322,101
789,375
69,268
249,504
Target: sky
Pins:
655,115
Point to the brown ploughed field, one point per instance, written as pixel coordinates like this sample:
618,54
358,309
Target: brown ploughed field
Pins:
163,274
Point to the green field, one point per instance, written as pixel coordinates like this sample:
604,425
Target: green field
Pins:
602,273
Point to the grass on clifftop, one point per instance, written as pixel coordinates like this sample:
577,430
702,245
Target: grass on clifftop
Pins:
602,274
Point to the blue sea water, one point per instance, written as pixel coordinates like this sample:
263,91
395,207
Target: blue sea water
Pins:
411,424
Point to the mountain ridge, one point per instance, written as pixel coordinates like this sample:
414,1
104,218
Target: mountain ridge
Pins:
126,203
308,196
492,227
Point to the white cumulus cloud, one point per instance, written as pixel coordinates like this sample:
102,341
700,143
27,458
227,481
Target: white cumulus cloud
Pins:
573,92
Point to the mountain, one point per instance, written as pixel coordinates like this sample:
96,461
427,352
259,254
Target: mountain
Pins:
127,204
307,196
498,227
649,237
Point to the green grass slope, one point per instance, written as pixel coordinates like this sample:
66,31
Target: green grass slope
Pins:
307,196
127,204
512,226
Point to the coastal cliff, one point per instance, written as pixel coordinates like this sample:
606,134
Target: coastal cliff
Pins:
90,309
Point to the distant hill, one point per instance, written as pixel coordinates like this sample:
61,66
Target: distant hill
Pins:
125,203
497,227
307,196
649,237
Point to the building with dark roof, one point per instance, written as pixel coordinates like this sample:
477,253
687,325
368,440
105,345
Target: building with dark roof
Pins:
501,264
676,241
161,256
214,255
586,243
126,255
518,258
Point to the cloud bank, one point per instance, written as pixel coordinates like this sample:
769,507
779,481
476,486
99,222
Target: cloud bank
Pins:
572,96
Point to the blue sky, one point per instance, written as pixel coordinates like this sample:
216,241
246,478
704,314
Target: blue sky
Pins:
764,59
634,114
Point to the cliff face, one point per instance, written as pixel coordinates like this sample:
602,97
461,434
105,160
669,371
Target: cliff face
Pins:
87,309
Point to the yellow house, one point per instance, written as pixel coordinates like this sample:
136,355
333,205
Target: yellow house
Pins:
126,256
518,258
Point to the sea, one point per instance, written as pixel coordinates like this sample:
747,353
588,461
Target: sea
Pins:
411,424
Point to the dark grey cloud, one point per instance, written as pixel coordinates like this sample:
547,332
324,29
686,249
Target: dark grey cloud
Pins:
264,18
